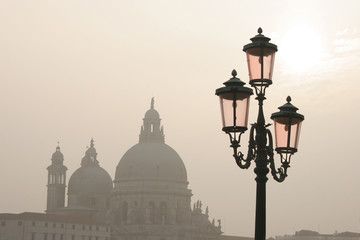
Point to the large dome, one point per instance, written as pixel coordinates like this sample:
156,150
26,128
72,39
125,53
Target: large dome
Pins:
151,158
146,161
92,180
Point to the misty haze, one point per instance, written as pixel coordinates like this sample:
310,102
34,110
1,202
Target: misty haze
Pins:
110,128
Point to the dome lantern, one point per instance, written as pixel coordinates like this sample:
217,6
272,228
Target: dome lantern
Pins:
151,131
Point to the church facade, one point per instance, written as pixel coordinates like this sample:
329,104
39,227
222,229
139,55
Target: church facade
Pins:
149,198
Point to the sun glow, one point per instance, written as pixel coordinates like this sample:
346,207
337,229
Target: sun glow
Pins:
301,48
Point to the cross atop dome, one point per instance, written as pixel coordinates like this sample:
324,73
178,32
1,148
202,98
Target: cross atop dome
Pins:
152,103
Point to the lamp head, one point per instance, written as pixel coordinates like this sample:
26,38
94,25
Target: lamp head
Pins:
287,124
234,104
260,56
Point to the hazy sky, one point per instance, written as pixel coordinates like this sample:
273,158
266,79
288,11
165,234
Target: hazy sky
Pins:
71,70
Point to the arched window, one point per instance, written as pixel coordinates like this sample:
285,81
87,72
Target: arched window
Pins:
163,212
125,209
157,171
107,202
178,212
152,212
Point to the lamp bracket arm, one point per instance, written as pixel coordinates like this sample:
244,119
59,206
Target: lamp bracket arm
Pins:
242,161
278,174
260,91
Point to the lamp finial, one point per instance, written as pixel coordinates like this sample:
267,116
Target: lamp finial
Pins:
288,99
234,73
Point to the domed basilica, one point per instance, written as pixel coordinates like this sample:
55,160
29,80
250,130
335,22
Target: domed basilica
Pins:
149,198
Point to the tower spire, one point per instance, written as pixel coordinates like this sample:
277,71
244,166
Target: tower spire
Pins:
152,103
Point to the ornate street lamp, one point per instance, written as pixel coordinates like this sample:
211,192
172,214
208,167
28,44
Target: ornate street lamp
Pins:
234,105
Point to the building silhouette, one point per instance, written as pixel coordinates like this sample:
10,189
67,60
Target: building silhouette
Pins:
149,199
40,226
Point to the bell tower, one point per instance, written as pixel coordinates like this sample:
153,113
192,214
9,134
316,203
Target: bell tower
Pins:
56,182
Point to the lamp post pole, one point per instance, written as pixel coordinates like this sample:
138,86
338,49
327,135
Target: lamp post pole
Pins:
261,170
234,104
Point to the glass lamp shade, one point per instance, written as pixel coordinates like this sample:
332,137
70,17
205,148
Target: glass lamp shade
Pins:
260,65
260,56
234,104
234,108
287,133
287,124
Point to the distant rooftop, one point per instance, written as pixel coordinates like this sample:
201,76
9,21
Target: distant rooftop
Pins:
226,237
31,216
309,234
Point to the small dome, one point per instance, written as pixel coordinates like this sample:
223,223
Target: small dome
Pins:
92,180
152,114
151,160
57,156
